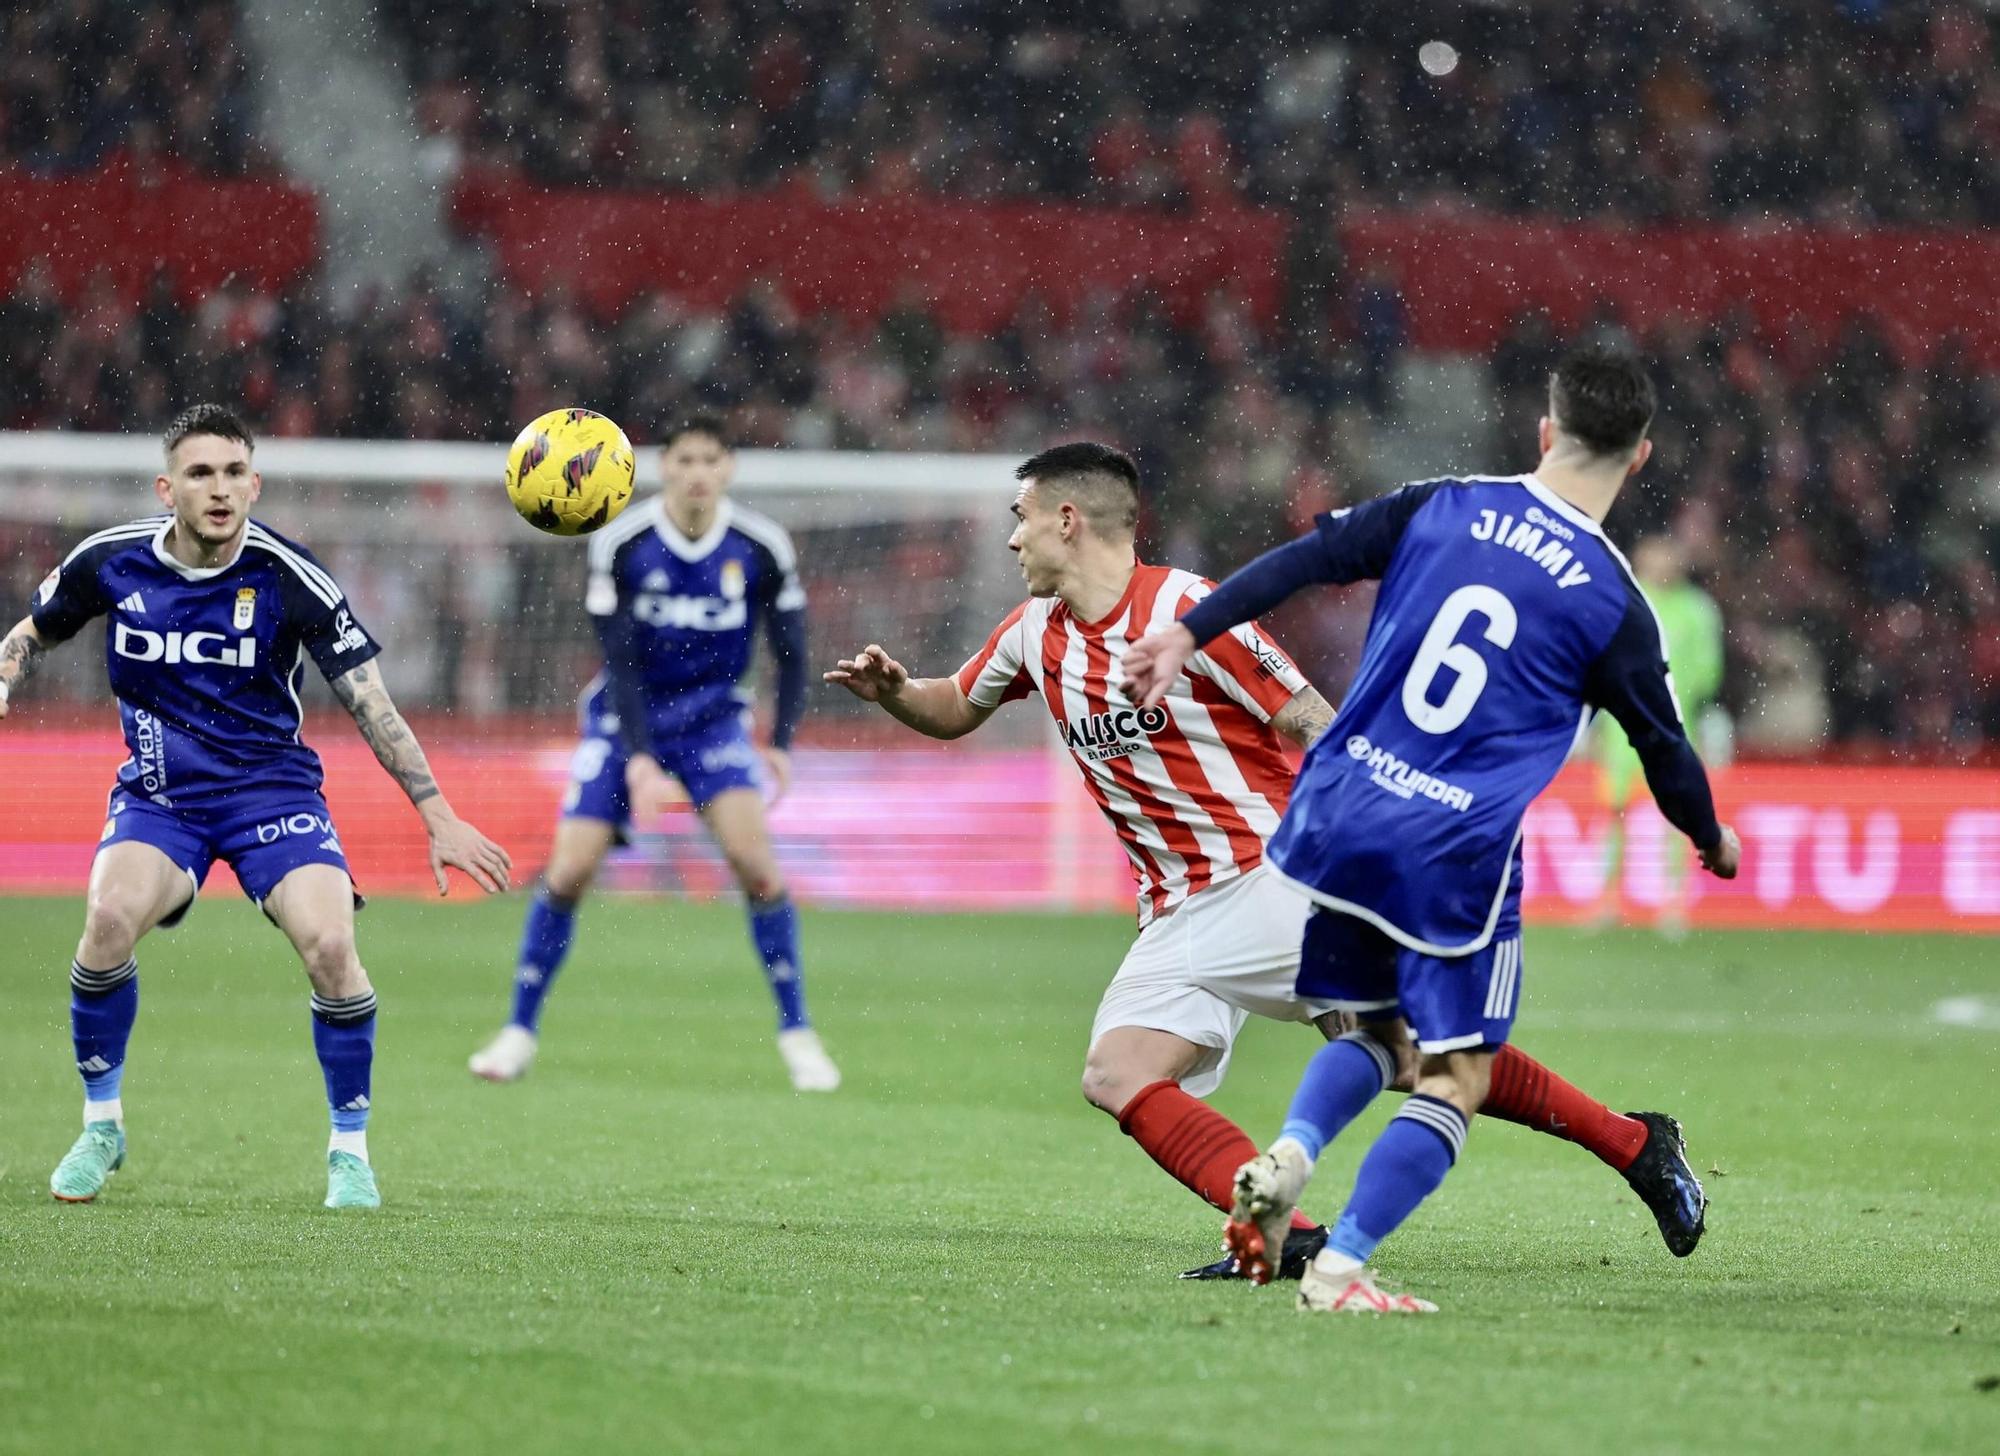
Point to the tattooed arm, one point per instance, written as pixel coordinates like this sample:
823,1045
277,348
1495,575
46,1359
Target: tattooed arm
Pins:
21,651
1304,718
453,841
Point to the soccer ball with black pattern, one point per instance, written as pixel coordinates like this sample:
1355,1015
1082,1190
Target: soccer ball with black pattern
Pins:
570,472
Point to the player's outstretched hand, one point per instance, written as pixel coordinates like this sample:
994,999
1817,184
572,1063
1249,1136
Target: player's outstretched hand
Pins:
1154,661
456,843
871,676
1722,860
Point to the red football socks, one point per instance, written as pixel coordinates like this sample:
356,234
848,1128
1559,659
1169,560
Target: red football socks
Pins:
1525,1091
1192,1141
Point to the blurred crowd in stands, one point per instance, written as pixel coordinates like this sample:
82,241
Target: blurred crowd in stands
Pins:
1841,503
1873,109
163,84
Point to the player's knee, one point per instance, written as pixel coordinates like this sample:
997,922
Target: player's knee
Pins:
331,963
568,883
111,927
1108,1084
760,880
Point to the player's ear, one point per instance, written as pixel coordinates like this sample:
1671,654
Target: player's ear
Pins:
256,486
1545,435
1640,456
163,491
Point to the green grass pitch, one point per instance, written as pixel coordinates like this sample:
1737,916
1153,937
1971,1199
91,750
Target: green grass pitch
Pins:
653,1244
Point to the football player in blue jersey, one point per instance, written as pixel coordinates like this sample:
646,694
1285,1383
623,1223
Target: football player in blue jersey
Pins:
1504,620
210,619
679,589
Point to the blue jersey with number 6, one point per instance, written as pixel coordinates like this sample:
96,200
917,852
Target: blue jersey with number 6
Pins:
1504,618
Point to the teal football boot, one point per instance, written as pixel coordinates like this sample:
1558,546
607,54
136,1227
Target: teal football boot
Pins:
93,1157
350,1183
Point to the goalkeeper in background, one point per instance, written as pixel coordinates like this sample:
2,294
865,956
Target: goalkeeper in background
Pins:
1693,627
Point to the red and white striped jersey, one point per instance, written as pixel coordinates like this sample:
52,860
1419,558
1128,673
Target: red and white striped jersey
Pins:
1193,787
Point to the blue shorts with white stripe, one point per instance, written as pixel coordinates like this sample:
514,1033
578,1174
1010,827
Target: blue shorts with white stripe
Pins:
1450,1002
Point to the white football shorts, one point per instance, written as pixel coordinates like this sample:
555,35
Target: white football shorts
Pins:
1229,952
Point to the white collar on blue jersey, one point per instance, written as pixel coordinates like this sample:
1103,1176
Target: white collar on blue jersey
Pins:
1556,503
680,545
193,573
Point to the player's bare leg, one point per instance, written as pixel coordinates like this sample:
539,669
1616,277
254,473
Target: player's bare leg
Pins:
133,887
581,845
314,906
735,819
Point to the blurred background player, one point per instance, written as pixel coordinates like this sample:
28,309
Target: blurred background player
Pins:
678,589
1504,618
1193,788
211,616
1693,626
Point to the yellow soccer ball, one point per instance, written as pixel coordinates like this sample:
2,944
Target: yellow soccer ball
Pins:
570,472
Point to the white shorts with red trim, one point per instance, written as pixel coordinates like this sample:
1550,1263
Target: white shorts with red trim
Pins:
1227,953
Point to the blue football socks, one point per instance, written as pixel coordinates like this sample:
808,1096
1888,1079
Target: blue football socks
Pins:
774,928
544,944
102,1007
1343,1077
344,1038
1406,1165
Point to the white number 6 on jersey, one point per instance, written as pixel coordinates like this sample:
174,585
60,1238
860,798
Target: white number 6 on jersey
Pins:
1440,650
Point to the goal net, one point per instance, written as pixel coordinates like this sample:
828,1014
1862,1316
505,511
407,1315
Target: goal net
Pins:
487,648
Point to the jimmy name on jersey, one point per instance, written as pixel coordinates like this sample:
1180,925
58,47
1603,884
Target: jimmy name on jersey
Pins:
1503,620
206,664
679,618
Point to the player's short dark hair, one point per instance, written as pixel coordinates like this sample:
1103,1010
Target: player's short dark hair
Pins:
710,425
1102,482
1603,398
205,419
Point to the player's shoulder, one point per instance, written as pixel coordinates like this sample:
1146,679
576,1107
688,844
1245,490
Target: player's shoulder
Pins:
759,529
297,565
100,546
632,525
1171,591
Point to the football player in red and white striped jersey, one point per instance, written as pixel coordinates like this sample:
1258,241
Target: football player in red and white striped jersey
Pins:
1192,788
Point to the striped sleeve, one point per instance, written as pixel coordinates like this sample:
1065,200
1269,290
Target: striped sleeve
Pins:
1245,663
316,606
997,673
788,593
72,594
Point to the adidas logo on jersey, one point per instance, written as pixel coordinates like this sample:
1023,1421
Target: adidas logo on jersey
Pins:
199,649
1112,734
134,603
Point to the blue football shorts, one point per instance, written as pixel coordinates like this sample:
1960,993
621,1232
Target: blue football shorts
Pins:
1451,1002
262,839
709,763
